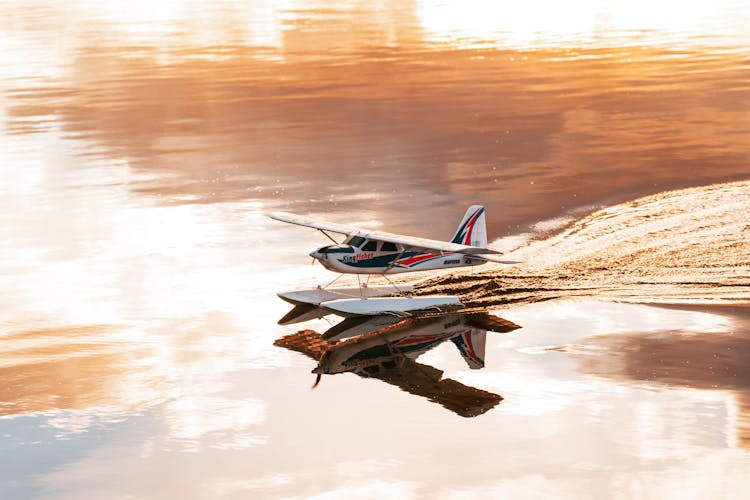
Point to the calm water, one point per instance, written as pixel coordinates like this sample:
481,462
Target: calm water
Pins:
141,143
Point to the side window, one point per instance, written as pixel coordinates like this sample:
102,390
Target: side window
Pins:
356,241
370,246
388,247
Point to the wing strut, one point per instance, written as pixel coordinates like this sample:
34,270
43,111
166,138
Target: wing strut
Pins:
393,262
394,285
329,236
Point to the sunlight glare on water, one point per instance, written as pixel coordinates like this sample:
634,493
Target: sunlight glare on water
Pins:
579,22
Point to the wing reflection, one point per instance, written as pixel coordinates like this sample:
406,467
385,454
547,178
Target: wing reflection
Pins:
389,354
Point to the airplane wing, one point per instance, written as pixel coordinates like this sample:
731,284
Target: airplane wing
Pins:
425,244
308,222
410,242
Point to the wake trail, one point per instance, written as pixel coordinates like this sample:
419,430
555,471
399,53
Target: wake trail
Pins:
684,246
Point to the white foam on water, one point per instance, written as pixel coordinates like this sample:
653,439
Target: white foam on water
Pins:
689,245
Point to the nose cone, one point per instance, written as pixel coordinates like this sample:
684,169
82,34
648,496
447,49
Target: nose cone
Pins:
324,364
316,254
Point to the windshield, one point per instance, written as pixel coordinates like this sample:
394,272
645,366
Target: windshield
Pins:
356,241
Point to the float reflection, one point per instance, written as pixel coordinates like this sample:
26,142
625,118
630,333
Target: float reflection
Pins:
389,354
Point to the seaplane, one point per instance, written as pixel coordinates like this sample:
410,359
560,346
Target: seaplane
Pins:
368,252
390,354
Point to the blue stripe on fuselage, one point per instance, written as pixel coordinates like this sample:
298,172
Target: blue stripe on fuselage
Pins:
379,261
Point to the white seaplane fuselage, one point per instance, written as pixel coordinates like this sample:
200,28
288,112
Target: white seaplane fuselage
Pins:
358,255
377,252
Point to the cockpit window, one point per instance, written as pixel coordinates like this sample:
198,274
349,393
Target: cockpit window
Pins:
356,241
370,246
388,247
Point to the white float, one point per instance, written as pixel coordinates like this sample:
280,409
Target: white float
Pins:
390,305
317,296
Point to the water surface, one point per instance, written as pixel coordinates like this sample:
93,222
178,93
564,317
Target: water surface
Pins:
141,144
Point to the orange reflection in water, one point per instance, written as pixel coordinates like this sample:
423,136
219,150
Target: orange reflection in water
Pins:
704,361
83,376
142,142
361,96
64,368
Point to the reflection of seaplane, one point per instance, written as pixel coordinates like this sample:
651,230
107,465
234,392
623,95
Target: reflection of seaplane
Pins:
380,253
389,354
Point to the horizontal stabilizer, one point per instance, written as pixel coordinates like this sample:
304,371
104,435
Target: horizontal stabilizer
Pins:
490,322
496,260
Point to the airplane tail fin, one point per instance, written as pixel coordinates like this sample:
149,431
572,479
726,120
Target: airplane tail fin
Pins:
472,230
471,345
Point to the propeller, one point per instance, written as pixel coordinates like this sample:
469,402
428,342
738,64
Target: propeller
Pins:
317,381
